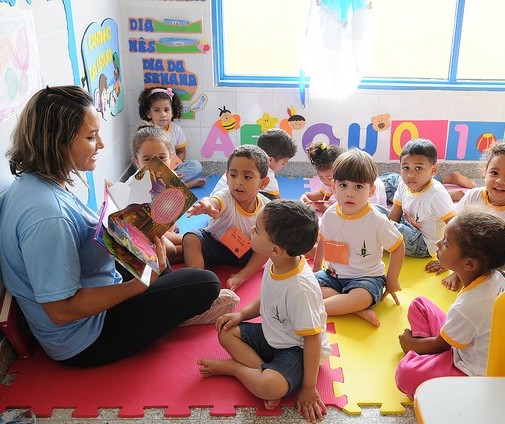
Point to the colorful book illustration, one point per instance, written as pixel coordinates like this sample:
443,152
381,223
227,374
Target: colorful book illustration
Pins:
134,214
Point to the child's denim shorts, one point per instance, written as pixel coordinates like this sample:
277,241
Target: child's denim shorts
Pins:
373,285
288,362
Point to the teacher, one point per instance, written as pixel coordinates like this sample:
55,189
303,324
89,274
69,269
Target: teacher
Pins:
75,302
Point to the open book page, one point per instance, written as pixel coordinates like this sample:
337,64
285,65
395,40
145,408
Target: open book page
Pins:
148,208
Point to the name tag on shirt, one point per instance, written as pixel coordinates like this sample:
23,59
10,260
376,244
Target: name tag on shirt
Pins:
235,240
337,252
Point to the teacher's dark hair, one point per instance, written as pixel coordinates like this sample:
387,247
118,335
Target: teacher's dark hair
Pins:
47,126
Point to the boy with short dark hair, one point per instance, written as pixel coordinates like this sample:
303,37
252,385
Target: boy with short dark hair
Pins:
283,352
233,212
421,205
280,148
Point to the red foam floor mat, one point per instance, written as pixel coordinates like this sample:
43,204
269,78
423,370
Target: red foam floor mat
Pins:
165,375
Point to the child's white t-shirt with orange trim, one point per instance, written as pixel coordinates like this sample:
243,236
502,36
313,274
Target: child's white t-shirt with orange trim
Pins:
426,210
364,234
479,196
292,307
231,214
468,324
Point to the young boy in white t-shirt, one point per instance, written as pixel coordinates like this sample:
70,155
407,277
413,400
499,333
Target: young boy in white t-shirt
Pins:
233,212
280,148
274,358
421,205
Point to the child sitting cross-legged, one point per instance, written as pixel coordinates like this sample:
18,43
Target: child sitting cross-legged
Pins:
352,237
282,353
233,212
490,197
421,206
457,344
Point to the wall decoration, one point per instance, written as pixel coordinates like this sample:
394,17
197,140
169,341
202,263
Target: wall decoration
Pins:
468,140
370,140
181,26
249,133
19,61
101,59
319,129
227,120
198,105
168,45
211,145
266,121
381,122
403,131
485,142
173,73
294,122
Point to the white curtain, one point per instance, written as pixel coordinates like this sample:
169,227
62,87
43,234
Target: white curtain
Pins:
338,46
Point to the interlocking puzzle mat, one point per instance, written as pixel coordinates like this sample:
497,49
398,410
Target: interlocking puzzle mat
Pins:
369,355
165,375
360,373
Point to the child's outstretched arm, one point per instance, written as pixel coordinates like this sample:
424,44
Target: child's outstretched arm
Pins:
309,403
422,345
395,265
207,205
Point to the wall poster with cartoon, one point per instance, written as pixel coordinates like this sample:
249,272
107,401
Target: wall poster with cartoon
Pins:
101,58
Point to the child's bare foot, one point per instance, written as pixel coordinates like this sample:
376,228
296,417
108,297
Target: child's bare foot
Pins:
370,316
463,180
197,182
452,282
211,367
456,195
271,404
235,281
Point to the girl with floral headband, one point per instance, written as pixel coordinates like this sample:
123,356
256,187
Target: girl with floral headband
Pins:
161,106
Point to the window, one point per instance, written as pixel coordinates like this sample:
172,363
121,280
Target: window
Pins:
431,44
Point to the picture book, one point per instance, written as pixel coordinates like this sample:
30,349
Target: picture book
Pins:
134,213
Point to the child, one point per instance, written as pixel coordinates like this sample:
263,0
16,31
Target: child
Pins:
149,141
233,211
457,344
491,196
351,239
161,106
283,352
279,147
322,156
422,206
455,178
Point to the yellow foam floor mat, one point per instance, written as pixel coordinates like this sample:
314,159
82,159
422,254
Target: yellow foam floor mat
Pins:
369,355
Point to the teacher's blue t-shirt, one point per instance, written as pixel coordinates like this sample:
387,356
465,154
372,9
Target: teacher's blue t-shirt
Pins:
47,253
